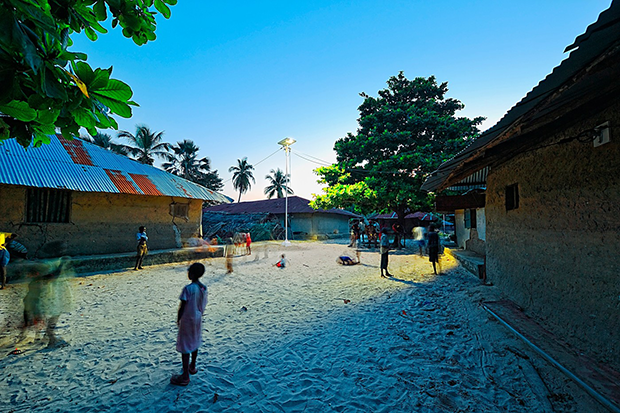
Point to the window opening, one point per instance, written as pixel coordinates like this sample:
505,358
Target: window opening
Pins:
48,205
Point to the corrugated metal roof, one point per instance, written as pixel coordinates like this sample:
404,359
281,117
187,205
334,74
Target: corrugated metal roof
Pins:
598,38
81,166
296,205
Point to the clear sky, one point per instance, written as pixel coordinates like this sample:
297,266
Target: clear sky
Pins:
237,77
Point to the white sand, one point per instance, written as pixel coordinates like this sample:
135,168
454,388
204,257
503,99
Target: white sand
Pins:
283,340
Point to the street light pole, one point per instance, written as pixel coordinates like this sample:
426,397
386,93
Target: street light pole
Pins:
286,145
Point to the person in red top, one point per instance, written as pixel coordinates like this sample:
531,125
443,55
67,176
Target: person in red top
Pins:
248,243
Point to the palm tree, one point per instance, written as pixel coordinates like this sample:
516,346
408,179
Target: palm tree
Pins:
106,142
146,144
278,183
184,162
242,176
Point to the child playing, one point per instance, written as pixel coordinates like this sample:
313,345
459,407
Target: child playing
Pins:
189,318
281,263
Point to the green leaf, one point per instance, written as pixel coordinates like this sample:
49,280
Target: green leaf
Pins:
162,8
100,80
41,138
19,110
115,106
115,89
47,116
84,72
83,118
171,2
90,33
100,10
46,129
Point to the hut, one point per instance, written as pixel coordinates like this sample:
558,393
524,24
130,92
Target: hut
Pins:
304,221
552,194
94,199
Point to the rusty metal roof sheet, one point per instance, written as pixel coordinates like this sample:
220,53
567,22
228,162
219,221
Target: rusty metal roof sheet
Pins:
81,166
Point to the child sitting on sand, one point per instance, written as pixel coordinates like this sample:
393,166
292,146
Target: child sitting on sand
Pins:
189,318
281,263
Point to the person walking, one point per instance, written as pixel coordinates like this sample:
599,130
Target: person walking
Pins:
189,319
433,248
384,249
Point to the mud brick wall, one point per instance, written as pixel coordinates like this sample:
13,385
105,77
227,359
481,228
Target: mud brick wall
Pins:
101,223
558,254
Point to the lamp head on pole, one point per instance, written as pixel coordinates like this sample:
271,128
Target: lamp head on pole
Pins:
287,142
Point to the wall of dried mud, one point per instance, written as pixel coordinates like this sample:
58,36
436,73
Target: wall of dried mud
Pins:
101,223
558,254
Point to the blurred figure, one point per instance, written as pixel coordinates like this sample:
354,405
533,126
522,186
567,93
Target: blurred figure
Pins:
433,248
346,260
142,249
16,249
5,257
248,244
362,232
229,251
384,250
398,230
419,238
49,293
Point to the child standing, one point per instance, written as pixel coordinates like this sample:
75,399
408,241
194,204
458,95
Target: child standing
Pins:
142,249
189,318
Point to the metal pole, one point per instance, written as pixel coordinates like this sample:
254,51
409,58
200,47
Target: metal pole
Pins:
596,395
286,242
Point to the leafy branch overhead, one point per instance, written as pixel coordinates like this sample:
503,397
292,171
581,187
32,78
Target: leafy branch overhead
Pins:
46,86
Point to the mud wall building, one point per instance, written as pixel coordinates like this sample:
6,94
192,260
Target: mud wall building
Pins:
93,199
553,195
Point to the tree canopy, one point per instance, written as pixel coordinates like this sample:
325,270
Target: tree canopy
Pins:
45,85
278,183
146,144
242,175
184,162
404,134
106,141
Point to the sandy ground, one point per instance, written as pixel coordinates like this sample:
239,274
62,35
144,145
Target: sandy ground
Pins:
313,337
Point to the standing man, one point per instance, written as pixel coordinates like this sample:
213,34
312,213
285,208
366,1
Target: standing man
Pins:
384,249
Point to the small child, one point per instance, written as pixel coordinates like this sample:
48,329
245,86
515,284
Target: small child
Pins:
142,249
189,318
281,263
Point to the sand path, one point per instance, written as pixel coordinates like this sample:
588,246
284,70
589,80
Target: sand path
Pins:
283,340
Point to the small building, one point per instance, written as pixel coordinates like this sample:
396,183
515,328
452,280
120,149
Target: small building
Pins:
412,220
304,221
552,194
94,199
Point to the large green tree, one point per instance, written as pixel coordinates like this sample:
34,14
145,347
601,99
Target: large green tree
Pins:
404,134
185,162
278,183
146,144
242,175
44,85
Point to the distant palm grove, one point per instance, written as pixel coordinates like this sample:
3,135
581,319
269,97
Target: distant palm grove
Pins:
145,145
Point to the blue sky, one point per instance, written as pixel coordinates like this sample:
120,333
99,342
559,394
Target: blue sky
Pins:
237,77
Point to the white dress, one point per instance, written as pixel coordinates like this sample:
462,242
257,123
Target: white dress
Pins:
190,324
